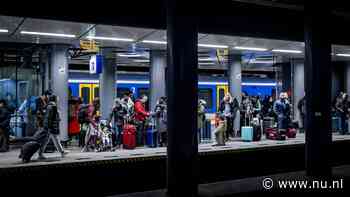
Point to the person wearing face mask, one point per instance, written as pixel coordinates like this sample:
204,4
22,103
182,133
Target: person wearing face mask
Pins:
141,116
282,109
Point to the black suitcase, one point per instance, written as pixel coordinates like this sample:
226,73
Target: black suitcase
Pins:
28,150
257,132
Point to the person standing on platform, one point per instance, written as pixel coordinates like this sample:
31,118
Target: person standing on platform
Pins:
52,126
92,115
228,109
160,114
140,117
302,112
5,117
127,99
282,109
118,114
200,118
345,113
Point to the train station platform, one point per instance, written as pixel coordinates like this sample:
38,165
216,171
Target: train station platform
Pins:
11,160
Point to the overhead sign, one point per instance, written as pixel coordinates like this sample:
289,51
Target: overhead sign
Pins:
89,45
95,64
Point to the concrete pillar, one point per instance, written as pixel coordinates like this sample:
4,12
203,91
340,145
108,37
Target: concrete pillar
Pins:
318,135
59,84
157,75
298,86
107,82
182,87
235,80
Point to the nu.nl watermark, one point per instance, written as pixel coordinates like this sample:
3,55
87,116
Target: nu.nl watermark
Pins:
269,183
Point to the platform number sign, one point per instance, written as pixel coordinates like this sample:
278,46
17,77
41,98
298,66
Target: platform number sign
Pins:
95,64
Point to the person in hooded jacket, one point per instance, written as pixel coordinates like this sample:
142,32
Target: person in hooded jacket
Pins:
118,115
160,114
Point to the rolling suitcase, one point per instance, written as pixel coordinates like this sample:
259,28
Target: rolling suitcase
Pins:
336,124
151,136
273,134
257,133
129,136
28,150
17,125
247,133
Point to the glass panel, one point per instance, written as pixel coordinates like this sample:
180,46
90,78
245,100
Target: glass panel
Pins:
96,92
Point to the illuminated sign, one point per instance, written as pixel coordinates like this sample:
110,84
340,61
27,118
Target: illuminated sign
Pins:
95,64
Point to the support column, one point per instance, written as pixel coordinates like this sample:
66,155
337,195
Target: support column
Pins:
59,84
235,80
298,86
157,75
318,90
107,82
182,79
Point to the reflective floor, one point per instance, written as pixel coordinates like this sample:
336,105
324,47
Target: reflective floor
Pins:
10,159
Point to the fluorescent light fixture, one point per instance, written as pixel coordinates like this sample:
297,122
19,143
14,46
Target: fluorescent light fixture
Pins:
4,30
141,61
343,54
206,59
110,38
48,34
261,62
250,48
213,46
258,84
286,51
206,63
129,55
154,42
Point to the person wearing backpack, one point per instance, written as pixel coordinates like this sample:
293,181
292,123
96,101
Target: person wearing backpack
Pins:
52,126
118,114
84,123
160,114
92,116
4,126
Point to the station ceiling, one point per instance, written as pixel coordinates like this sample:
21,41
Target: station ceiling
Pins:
17,25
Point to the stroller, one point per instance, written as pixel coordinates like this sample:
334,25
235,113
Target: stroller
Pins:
100,137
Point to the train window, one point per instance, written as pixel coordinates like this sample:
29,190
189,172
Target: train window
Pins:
207,95
96,92
70,94
121,92
85,93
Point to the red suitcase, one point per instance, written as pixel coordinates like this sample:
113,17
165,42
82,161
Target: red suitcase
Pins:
273,134
129,136
291,133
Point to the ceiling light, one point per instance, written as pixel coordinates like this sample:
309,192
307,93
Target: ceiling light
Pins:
4,30
260,61
141,61
286,51
250,48
206,59
154,42
129,55
110,38
343,54
48,34
213,46
206,63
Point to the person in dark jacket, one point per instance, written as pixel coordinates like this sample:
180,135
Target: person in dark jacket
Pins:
302,112
52,126
228,108
5,117
345,115
118,115
282,109
160,115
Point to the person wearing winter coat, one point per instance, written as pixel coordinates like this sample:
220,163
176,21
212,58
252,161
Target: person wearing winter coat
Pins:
141,116
118,115
5,117
52,126
160,115
228,108
302,112
282,109
220,131
200,117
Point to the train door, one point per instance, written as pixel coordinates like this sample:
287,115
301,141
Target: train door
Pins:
95,91
221,90
89,92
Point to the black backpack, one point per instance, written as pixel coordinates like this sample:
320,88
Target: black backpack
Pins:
82,114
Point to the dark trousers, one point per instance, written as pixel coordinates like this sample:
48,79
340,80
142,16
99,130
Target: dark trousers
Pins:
141,133
229,130
344,125
4,140
117,136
